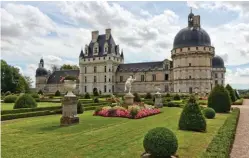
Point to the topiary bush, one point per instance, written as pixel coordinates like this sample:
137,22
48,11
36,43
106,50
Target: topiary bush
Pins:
133,112
137,97
35,95
177,97
160,142
25,101
80,108
219,99
167,95
231,92
191,118
87,96
96,100
7,93
95,92
209,113
40,92
10,99
57,93
148,96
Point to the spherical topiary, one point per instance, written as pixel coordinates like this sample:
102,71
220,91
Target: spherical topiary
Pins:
231,93
10,99
57,93
148,96
136,97
34,95
87,96
40,92
80,108
96,100
219,99
25,101
191,118
167,95
209,113
160,142
177,97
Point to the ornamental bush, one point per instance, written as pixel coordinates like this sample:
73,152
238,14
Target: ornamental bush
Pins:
160,142
191,118
133,112
57,93
40,92
95,92
35,95
231,93
177,97
219,99
167,95
87,96
10,99
25,101
80,108
137,97
209,113
148,96
7,93
96,100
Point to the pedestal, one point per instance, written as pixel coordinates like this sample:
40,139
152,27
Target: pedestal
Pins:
69,111
129,99
158,100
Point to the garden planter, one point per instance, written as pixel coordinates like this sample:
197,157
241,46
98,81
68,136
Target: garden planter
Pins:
69,85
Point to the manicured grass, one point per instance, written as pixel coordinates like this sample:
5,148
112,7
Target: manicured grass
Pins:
98,136
9,106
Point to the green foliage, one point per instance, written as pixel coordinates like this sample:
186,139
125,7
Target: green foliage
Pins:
25,110
160,142
137,97
219,99
167,95
40,92
70,78
209,113
172,104
57,93
69,67
231,92
95,92
97,109
148,96
238,102
80,108
87,96
133,112
34,95
7,93
177,97
221,144
96,100
25,101
192,118
10,99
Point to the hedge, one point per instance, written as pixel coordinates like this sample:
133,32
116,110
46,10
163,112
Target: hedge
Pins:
15,111
222,142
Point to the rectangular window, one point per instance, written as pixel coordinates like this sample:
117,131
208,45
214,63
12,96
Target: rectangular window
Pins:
216,75
142,78
85,69
189,77
105,68
222,76
216,82
105,88
154,77
85,79
95,69
121,78
95,79
189,64
188,48
109,80
196,48
105,78
85,89
112,88
166,77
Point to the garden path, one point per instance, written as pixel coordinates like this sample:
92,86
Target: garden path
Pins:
240,147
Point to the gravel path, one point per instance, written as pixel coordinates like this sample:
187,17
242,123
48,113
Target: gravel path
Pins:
240,147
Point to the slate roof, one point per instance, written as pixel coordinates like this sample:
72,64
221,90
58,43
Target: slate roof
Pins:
41,72
140,66
217,62
55,77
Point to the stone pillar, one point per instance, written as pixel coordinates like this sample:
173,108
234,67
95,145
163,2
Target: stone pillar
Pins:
69,111
129,99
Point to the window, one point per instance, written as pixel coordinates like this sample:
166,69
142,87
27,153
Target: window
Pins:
105,78
109,70
209,49
85,80
216,82
189,77
121,78
222,76
153,77
180,49
105,67
109,80
196,48
104,58
112,88
109,90
142,78
95,79
189,64
204,48
216,75
95,50
95,69
188,48
105,88
222,82
166,77
106,49
85,69
85,89
109,58
112,78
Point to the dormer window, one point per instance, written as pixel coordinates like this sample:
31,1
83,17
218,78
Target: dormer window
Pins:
96,48
86,49
106,48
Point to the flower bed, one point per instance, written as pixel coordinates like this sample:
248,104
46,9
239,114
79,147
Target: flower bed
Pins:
133,111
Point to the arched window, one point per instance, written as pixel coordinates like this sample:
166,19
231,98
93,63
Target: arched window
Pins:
105,68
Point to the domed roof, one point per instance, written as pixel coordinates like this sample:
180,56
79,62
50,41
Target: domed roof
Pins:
217,62
41,72
190,36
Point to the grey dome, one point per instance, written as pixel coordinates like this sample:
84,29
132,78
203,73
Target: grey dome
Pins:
217,62
190,36
41,72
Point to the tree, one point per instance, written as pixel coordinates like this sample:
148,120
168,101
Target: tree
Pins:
69,67
55,68
231,93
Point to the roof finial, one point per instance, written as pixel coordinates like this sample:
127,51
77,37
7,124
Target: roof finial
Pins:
190,9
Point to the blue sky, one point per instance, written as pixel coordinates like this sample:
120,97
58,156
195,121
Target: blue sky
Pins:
57,31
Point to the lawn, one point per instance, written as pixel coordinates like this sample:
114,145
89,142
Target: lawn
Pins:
9,106
97,137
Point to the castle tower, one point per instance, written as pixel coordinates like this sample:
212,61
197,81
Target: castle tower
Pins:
41,76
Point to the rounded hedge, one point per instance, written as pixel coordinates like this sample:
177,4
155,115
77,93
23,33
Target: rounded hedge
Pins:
219,99
231,93
160,142
136,97
87,96
80,108
177,97
148,96
25,101
35,95
191,118
209,113
57,93
10,99
96,100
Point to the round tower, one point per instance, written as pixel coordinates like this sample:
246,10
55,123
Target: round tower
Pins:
41,76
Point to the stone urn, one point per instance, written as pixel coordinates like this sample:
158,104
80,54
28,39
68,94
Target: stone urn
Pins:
69,85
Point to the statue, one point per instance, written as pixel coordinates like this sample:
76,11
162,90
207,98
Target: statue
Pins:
128,83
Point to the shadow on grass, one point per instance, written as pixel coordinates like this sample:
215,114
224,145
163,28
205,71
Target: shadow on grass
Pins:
51,128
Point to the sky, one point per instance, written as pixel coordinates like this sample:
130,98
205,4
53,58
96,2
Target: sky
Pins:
56,31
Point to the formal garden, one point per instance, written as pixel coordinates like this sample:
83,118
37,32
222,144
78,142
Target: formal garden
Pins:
183,126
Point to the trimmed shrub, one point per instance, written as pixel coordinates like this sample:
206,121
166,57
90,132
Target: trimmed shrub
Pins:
96,100
26,110
87,96
238,102
97,109
57,93
191,118
167,95
137,97
177,97
148,96
80,108
133,112
25,101
112,112
40,92
95,93
35,95
231,92
168,99
209,113
10,99
219,99
172,104
160,142
7,93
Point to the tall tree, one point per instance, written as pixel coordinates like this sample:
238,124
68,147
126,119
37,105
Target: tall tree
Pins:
55,68
231,92
69,67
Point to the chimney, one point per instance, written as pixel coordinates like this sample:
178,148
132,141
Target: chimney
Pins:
95,35
107,33
196,20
